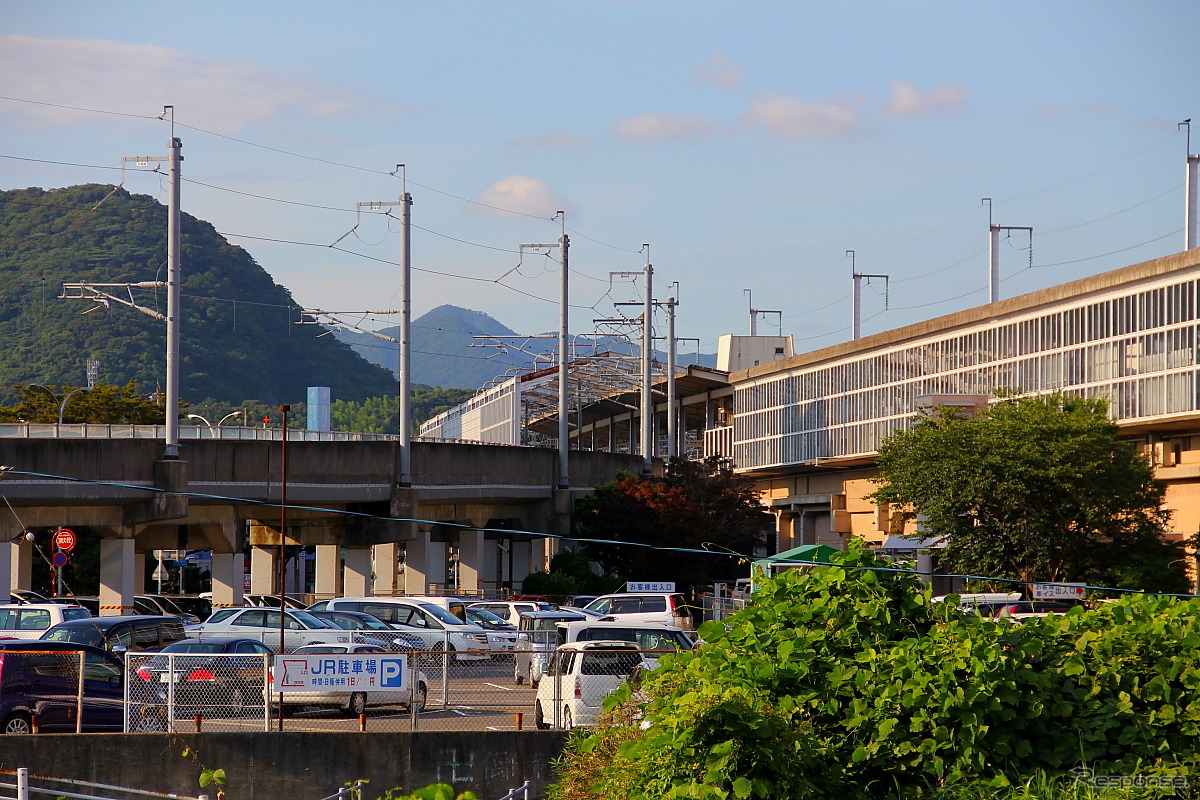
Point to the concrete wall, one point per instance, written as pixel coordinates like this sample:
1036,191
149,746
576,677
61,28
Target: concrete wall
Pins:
305,766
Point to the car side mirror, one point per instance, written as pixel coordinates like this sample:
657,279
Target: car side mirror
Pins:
545,669
114,681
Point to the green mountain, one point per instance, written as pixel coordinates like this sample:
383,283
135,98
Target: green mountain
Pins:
443,356
237,340
442,352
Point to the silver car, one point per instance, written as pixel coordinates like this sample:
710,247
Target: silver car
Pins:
537,636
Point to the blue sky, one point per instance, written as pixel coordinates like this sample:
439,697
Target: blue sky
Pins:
751,144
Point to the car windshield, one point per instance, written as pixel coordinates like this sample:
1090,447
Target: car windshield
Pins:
84,635
308,620
440,614
194,647
486,619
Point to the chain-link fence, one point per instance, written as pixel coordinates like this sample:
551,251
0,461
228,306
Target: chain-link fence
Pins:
444,691
60,691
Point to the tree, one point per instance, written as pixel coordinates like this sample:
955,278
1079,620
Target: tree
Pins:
102,404
694,505
1036,489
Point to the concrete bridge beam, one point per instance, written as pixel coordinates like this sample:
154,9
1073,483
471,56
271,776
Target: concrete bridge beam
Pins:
263,569
228,582
470,561
386,561
357,576
118,569
416,564
329,571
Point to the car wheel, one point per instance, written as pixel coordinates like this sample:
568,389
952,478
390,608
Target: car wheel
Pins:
237,703
18,722
538,719
567,719
357,705
422,697
150,720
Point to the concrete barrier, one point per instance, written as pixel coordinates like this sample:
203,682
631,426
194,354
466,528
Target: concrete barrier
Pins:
298,766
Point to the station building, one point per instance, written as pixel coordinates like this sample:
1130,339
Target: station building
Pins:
806,426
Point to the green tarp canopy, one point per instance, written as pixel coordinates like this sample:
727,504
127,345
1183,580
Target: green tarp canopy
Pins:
807,552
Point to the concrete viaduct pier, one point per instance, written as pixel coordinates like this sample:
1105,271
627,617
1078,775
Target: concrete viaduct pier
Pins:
479,509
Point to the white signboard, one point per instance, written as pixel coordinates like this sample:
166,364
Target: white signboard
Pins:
340,672
1058,591
644,586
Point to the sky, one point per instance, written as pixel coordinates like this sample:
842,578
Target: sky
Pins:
750,144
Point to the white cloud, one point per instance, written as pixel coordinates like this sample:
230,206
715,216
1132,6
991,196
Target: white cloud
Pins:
651,127
524,195
906,100
140,78
720,71
786,116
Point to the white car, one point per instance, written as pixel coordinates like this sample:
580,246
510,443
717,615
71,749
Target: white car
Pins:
662,608
502,637
580,675
31,620
350,704
437,627
299,627
511,610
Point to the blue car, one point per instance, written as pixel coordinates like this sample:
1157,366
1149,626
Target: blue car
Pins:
39,688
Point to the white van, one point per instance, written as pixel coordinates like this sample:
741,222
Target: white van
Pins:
31,620
647,636
664,608
439,628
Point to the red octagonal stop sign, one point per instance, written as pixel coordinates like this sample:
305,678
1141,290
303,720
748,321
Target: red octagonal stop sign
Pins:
64,539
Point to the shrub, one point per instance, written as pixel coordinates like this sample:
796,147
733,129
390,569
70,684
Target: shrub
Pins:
847,681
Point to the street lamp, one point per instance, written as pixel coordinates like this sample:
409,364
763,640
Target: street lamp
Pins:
63,405
212,432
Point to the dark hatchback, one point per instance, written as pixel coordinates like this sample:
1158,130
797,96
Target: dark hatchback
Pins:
40,680
226,677
118,634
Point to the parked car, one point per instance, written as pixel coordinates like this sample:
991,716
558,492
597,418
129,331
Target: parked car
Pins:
216,675
41,680
27,596
351,704
366,629
201,607
664,608
537,637
298,627
118,634
272,601
1029,609
652,639
502,637
437,627
578,678
511,610
31,620
159,604
579,600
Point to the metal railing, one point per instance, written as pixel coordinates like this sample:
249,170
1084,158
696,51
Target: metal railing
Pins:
24,787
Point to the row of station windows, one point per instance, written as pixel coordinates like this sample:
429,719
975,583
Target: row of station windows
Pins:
848,408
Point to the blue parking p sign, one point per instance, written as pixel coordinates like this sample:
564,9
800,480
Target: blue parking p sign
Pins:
391,673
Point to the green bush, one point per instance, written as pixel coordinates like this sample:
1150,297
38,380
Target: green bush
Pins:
849,682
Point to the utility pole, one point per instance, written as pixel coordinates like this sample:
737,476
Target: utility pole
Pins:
645,445
1191,198
754,313
672,416
404,333
173,272
856,296
994,251
564,434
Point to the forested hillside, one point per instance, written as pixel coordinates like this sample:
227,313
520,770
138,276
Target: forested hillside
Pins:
237,340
